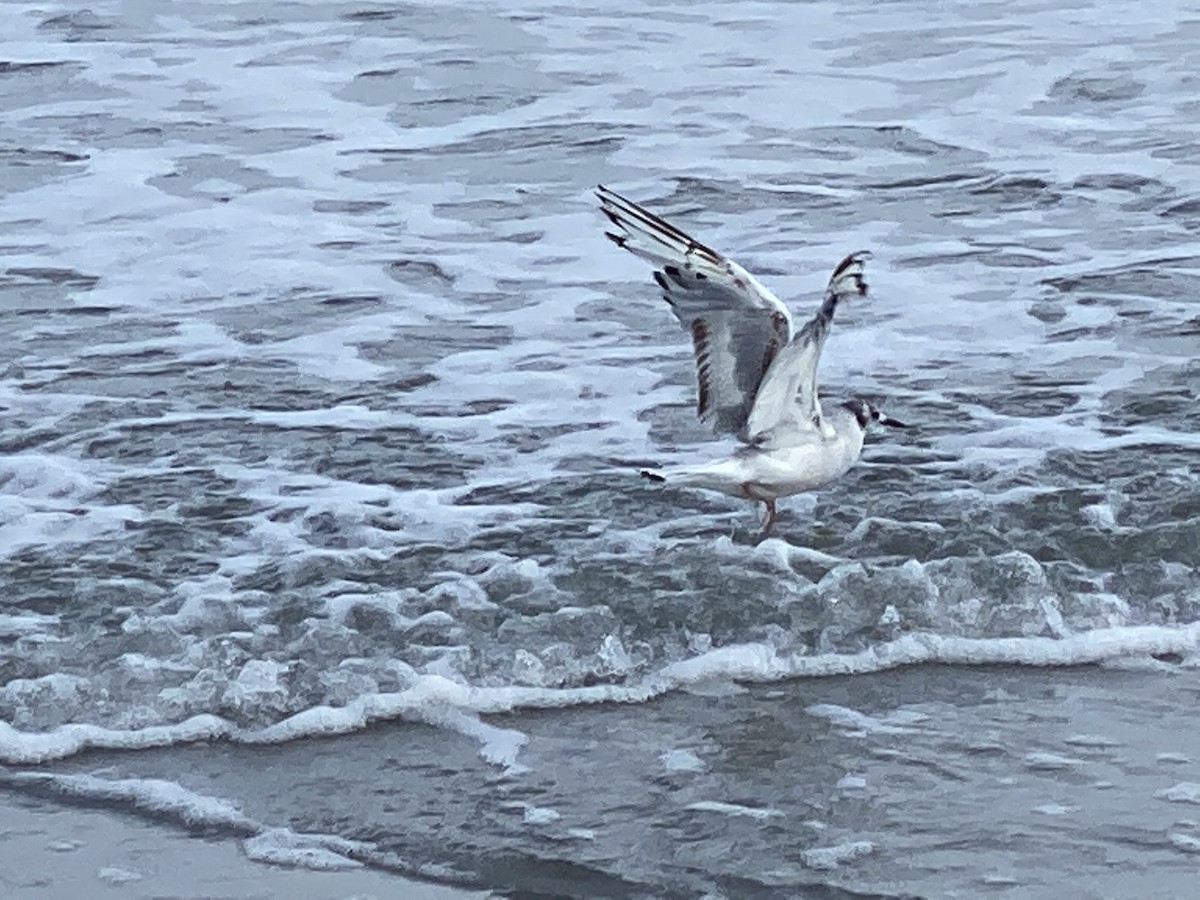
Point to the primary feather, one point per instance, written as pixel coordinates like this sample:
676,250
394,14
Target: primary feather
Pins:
737,326
754,374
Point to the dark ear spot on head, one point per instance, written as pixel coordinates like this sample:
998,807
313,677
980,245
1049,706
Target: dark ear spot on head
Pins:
863,412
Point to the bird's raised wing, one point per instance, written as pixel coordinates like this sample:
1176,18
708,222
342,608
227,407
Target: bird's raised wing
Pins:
787,398
737,325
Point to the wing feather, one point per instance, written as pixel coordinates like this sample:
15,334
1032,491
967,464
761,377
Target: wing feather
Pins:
787,398
737,325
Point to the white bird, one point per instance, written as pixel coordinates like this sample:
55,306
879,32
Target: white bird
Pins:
757,376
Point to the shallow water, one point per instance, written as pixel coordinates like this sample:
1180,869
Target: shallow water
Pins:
927,781
320,389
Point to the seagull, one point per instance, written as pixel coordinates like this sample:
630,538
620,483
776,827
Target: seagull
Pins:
757,376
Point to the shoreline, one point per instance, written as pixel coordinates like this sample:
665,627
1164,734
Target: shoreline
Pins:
51,851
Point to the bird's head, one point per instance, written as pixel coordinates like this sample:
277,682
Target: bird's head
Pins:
866,414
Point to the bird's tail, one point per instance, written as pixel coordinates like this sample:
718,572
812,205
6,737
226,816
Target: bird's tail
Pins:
721,476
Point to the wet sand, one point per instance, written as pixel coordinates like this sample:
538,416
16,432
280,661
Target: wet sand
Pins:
52,852
925,781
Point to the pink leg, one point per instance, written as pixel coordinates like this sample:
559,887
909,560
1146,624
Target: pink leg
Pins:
751,493
769,518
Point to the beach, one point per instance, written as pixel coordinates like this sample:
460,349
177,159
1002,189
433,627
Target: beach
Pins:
53,852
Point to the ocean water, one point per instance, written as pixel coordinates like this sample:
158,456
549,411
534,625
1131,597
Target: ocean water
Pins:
321,395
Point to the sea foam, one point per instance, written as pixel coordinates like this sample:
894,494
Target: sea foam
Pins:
438,700
173,802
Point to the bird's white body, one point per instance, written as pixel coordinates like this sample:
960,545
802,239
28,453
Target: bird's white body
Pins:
769,473
756,374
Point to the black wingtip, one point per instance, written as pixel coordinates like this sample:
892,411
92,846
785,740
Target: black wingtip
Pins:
653,476
857,258
612,217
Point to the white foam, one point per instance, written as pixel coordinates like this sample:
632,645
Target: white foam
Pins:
540,815
1050,762
734,809
24,624
1171,758
284,847
37,747
681,760
61,693
1102,515
1184,842
149,795
117,876
1093,741
39,476
855,721
44,500
160,798
440,700
828,858
1000,881
498,746
851,782
259,685
1184,792
1055,809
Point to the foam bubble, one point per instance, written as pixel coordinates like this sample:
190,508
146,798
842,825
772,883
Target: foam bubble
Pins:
1055,809
1172,758
681,760
1184,792
1050,762
734,809
1184,842
540,815
284,847
851,782
855,721
1091,741
117,875
833,857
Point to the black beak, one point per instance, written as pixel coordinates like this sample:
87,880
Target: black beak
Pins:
891,423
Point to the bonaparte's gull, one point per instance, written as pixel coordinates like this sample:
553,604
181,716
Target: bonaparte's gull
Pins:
757,376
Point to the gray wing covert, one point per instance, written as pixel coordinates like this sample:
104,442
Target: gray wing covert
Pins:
737,326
